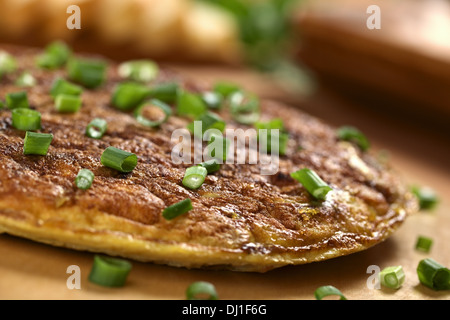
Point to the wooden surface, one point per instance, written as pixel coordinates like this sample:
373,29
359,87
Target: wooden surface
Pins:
404,64
30,270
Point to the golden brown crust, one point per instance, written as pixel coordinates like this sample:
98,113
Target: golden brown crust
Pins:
241,220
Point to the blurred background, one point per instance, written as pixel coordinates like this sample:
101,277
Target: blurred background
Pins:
214,31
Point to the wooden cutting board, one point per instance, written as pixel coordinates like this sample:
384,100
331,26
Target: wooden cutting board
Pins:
31,270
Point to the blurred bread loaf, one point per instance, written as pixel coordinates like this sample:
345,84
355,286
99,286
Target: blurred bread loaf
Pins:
180,30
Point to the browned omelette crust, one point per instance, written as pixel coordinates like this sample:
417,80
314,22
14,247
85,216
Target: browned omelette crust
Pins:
241,220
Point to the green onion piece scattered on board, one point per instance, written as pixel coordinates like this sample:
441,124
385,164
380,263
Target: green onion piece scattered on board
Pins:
392,277
326,291
90,73
37,143
424,244
177,209
26,119
118,159
427,197
201,290
352,134
96,128
139,70
61,86
152,113
194,177
433,275
67,104
109,272
84,179
128,95
312,183
17,100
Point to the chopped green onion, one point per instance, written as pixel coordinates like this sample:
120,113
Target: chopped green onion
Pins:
139,70
166,92
212,121
67,104
273,140
275,123
225,88
392,277
281,142
162,110
312,182
246,118
177,209
208,120
433,275
26,79
424,244
46,61
61,86
212,99
120,160
218,147
194,177
91,73
109,272
8,63
243,102
427,197
96,128
326,291
17,100
201,290
128,95
190,104
84,179
55,55
37,143
244,107
26,119
210,165
59,49
349,133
